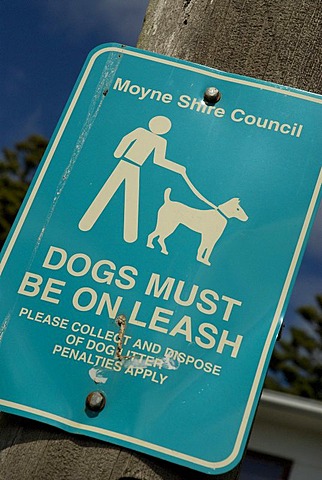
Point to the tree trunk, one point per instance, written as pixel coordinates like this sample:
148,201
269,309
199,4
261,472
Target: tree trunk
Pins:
268,39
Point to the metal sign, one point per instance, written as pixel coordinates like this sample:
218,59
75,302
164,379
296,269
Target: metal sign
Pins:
145,279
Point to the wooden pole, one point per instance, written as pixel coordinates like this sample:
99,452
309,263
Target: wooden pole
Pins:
278,41
268,39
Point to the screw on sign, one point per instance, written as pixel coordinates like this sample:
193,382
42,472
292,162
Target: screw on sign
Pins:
95,401
212,95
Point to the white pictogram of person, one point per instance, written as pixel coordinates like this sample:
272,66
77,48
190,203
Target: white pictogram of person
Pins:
134,148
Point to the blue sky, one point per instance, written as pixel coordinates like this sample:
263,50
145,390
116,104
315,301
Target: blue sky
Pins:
43,45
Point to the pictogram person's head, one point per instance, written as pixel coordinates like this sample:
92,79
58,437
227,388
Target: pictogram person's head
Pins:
160,125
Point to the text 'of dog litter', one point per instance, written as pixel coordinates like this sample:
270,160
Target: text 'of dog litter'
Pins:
133,150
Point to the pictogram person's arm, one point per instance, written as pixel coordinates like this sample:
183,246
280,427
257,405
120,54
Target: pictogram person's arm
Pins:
125,143
160,159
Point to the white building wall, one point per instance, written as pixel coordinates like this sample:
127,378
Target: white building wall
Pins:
290,427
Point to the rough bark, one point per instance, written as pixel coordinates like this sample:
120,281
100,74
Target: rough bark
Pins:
31,450
268,39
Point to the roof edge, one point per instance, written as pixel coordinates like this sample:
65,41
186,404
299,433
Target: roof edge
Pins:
308,406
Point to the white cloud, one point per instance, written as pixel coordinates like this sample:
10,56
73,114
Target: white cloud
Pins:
81,17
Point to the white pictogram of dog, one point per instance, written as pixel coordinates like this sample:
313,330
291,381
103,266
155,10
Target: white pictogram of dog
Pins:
209,223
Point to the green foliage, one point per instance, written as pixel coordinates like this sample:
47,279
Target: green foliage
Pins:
296,364
17,168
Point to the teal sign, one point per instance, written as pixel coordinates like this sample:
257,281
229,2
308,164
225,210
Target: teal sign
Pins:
154,254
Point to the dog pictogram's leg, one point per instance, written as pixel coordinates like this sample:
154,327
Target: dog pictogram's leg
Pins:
163,246
161,242
151,237
202,256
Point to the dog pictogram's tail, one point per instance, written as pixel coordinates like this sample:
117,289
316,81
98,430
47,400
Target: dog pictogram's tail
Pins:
167,192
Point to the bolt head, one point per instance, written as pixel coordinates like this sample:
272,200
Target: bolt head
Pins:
212,95
95,401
